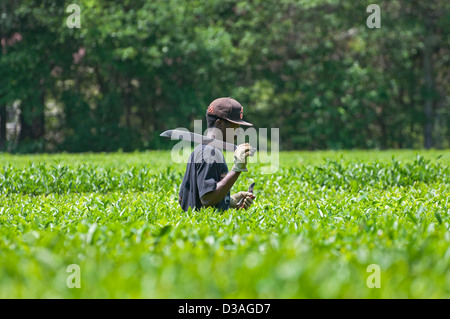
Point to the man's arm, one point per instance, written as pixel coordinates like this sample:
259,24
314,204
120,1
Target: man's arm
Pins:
224,185
222,189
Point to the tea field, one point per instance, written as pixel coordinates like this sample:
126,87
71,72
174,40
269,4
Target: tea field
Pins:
316,226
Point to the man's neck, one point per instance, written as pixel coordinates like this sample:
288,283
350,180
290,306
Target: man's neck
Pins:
213,133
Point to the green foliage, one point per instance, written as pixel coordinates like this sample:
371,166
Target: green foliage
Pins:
62,179
312,68
314,228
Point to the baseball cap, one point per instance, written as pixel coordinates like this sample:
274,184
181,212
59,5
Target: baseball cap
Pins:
228,109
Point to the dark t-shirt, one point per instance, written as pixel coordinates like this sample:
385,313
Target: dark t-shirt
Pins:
206,166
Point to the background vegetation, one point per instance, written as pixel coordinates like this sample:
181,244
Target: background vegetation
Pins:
315,227
136,68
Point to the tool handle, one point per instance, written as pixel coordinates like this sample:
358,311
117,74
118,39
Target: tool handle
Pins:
250,189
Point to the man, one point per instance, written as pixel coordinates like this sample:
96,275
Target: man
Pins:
207,181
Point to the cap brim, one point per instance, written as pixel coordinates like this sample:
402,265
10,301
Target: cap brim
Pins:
240,122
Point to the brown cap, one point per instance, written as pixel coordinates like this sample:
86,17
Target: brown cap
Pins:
228,109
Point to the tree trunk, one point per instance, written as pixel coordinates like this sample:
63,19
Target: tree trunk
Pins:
2,127
34,128
429,85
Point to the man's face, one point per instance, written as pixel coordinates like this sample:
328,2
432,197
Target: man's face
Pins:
227,129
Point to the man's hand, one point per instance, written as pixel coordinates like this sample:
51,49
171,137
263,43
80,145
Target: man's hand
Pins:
240,157
245,198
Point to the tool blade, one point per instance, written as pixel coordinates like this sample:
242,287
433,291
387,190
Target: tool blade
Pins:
185,135
251,187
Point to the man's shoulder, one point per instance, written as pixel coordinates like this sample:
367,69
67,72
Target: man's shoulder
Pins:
209,154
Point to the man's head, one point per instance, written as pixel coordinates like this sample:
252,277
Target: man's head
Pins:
224,126
225,113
